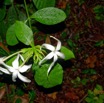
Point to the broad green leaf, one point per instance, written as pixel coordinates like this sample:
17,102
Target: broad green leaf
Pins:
21,15
2,13
68,53
23,33
11,16
53,79
43,3
49,16
11,36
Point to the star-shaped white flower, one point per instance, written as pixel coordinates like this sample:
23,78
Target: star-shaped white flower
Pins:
53,54
16,69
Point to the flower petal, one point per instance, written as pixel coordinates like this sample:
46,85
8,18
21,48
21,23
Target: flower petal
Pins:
25,68
61,55
49,47
21,57
11,69
14,76
58,47
4,70
49,56
15,63
52,64
23,78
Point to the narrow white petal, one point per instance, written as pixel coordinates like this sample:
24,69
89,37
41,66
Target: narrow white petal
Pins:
21,57
58,47
49,47
11,69
61,55
52,64
15,63
25,68
23,78
4,70
14,76
49,56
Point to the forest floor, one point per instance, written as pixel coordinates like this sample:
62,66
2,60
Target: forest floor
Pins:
84,35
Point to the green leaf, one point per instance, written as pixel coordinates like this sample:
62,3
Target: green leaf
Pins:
3,29
11,36
99,87
49,16
88,100
32,95
21,15
23,33
98,9
71,43
43,3
2,13
53,79
8,2
19,92
68,53
11,16
18,100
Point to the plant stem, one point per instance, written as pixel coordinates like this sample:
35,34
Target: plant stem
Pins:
27,13
11,55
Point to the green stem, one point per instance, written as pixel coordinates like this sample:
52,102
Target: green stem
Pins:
11,55
25,61
27,13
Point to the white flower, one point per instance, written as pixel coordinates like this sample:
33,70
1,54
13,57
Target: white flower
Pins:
53,54
16,69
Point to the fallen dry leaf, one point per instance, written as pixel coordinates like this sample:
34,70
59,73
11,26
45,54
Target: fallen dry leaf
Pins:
53,95
72,96
90,61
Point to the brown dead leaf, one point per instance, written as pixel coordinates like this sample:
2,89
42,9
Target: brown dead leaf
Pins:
4,47
90,61
72,96
2,92
53,95
62,4
48,41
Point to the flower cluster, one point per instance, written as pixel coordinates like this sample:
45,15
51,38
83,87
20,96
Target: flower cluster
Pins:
15,70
